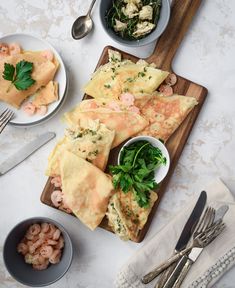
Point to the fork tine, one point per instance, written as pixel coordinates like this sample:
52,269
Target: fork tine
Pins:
203,224
210,219
6,119
3,114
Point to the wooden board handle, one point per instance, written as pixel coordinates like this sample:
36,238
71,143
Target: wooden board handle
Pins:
182,12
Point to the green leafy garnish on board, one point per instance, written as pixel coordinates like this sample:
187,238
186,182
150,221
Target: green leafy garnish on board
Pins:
20,76
135,173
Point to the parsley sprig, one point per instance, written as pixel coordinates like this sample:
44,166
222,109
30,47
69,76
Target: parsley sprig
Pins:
20,76
135,173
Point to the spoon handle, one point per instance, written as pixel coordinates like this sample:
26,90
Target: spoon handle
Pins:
90,8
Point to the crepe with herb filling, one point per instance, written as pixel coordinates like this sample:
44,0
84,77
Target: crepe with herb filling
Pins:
125,216
86,189
165,114
132,78
117,77
90,140
125,123
43,71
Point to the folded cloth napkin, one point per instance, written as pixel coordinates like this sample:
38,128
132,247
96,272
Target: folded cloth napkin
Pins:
214,261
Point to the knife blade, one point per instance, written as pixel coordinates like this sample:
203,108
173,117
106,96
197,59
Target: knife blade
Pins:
185,235
25,152
186,232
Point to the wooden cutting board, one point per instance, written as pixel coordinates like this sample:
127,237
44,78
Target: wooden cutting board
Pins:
182,13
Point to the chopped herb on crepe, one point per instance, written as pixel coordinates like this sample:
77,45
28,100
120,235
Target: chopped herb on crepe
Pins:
20,76
136,170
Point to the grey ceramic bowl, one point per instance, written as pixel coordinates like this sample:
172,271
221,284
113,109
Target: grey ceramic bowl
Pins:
24,273
161,25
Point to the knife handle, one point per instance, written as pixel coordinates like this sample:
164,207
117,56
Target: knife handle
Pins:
165,275
179,273
156,271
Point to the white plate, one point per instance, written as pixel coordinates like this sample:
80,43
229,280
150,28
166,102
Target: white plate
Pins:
29,42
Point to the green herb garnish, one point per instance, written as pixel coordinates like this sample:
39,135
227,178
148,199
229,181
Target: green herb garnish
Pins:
20,76
135,173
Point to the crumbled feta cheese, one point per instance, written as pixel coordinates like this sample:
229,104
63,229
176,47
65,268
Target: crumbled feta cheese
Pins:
136,2
114,56
146,13
143,28
131,10
119,26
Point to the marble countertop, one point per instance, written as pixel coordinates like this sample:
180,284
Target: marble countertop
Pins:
205,56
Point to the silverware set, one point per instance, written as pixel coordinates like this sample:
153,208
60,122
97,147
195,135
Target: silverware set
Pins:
203,232
5,118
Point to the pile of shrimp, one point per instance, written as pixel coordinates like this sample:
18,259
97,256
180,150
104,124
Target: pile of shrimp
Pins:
166,88
57,196
42,245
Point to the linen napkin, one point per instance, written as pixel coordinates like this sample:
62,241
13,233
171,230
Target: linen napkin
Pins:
213,262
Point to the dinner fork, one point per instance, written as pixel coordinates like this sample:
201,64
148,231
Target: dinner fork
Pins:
200,240
5,117
206,220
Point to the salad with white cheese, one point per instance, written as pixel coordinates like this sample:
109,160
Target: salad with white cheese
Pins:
133,19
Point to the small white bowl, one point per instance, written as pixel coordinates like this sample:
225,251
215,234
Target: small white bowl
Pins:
160,172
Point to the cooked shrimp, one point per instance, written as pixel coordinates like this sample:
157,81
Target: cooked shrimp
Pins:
51,231
35,245
171,79
51,242
46,251
42,110
29,236
166,90
48,54
45,227
14,48
55,257
57,198
29,108
34,229
114,106
4,50
42,266
60,243
56,181
127,98
22,248
134,109
56,235
38,259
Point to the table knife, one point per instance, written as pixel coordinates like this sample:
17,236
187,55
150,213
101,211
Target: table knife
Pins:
25,152
184,265
186,232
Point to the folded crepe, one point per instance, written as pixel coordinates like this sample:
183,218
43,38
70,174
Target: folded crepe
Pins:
124,122
43,71
134,78
120,76
125,216
86,189
165,114
90,140
46,95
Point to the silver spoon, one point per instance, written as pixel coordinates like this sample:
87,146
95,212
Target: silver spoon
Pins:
83,24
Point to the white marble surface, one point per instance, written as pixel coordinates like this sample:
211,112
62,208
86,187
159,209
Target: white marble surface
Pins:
206,56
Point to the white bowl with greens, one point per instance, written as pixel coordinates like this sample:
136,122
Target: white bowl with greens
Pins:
134,22
143,162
